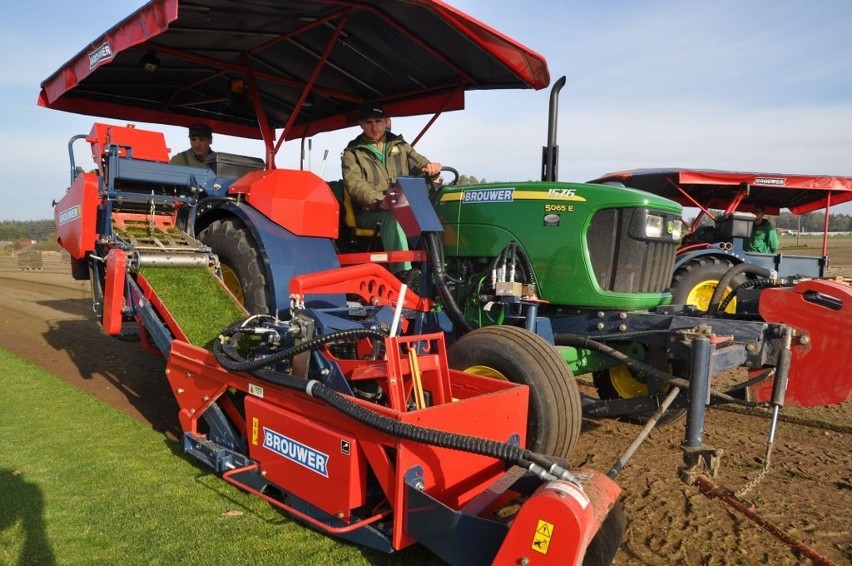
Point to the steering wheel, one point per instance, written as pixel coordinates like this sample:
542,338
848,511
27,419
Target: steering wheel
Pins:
435,188
455,174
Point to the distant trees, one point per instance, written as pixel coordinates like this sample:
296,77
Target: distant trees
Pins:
470,180
814,222
16,230
810,222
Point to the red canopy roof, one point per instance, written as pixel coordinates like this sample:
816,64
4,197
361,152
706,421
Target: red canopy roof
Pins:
250,67
720,189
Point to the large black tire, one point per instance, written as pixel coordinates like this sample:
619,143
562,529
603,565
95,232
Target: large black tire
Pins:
243,269
694,282
519,356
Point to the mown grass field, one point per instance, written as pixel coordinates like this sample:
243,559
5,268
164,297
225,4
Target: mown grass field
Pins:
82,483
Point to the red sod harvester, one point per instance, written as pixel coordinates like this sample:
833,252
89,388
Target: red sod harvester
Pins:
339,408
321,382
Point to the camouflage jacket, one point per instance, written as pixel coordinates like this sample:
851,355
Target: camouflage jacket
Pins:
367,179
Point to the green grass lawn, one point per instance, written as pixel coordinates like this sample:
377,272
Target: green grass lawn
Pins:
81,483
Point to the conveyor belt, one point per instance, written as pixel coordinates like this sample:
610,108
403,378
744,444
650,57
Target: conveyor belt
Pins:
181,270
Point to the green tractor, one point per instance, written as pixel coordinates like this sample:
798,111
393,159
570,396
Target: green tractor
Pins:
550,257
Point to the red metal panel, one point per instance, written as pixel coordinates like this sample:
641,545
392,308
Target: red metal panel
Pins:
312,459
116,272
74,216
482,407
143,144
372,283
297,200
821,312
556,524
454,477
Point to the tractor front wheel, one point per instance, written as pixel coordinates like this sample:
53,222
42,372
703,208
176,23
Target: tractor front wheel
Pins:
620,382
519,356
241,263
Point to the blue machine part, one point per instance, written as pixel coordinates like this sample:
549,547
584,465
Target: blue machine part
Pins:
286,255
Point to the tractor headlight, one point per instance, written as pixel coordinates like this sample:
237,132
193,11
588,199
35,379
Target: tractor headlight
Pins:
677,230
653,226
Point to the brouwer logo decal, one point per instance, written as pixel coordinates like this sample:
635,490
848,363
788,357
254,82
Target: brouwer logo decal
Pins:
69,215
297,452
101,53
776,181
489,195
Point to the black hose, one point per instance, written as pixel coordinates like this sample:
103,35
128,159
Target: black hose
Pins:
228,356
762,283
510,453
759,283
434,248
526,265
225,350
589,344
713,307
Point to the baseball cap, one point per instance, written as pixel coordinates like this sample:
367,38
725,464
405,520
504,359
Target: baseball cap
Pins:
369,111
200,131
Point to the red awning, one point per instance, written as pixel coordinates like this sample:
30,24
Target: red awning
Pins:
248,68
718,189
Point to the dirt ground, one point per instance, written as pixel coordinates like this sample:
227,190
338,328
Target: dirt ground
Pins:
45,317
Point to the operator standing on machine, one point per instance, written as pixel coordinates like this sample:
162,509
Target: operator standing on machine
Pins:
764,237
371,163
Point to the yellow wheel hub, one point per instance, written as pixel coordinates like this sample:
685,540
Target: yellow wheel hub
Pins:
485,371
701,294
232,283
626,384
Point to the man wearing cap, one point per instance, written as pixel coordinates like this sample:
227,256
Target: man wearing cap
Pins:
200,138
371,163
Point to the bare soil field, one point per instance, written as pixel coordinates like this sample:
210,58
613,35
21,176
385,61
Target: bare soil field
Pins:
45,317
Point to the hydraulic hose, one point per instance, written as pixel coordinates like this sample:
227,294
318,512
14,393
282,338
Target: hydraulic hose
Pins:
510,453
226,353
434,247
713,307
228,356
589,344
762,283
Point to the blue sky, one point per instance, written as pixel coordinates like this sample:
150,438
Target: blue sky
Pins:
763,85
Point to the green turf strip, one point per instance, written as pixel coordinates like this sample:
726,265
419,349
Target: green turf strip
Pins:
82,483
196,299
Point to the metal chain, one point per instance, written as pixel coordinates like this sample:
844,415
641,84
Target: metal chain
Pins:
753,483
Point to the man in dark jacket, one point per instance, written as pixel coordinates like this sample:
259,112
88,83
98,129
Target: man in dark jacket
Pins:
371,163
199,152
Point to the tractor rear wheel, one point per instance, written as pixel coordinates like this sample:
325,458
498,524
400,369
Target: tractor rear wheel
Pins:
519,356
695,282
241,263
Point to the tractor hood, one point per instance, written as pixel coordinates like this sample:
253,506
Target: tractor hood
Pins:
252,67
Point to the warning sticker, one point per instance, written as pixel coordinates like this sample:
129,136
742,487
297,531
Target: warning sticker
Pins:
543,534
